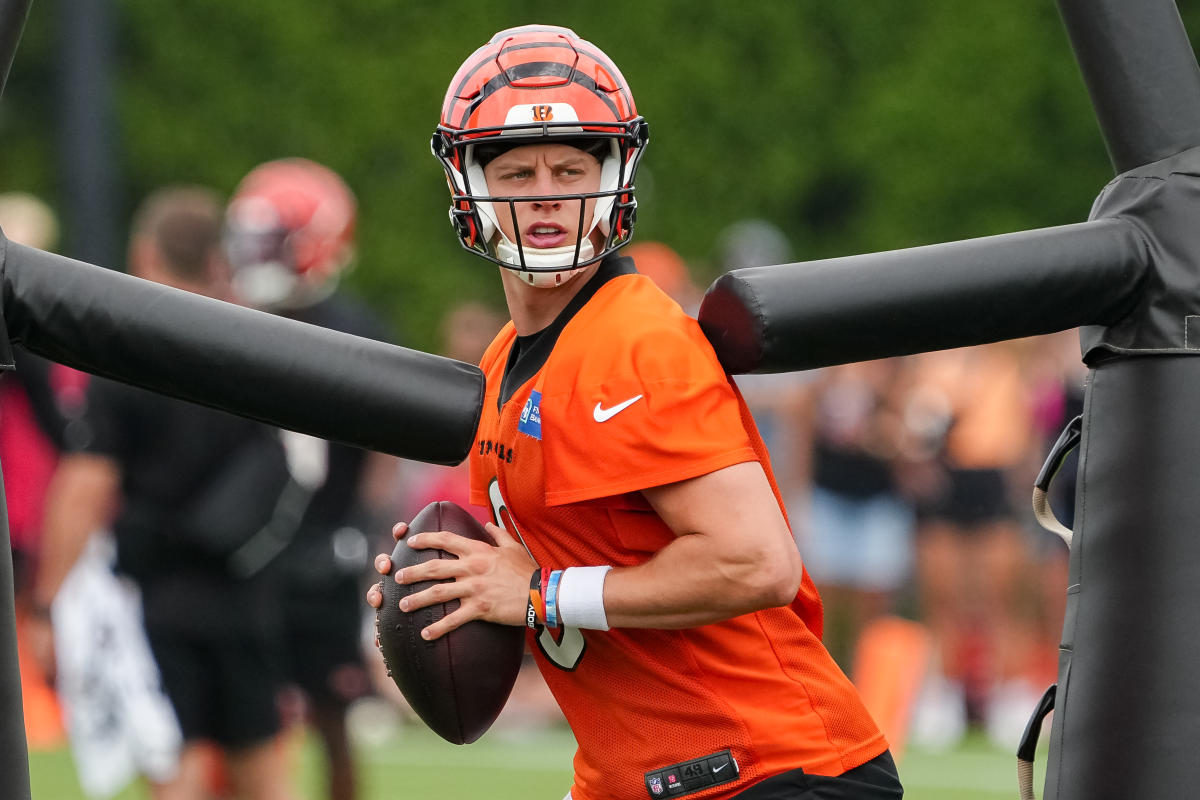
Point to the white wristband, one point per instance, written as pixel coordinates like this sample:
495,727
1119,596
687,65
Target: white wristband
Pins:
581,598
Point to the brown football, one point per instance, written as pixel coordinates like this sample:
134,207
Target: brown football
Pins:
459,682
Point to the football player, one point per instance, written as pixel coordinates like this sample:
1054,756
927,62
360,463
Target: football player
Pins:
639,531
289,236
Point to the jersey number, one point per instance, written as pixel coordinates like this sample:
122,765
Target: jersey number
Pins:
566,650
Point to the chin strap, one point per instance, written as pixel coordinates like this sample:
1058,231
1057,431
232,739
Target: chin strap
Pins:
540,259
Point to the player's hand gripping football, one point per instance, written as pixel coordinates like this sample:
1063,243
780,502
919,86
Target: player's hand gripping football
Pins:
491,582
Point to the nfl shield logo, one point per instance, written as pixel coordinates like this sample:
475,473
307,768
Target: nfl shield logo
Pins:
656,785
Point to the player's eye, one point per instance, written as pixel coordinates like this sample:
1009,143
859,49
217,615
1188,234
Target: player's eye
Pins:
517,174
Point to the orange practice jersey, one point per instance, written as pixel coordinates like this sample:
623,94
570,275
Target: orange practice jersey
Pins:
562,463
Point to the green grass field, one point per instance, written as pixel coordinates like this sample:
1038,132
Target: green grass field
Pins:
413,764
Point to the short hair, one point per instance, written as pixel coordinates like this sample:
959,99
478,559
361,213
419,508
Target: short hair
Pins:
184,225
27,220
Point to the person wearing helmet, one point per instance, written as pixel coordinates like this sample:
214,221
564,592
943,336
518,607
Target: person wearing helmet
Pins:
639,533
289,236
181,487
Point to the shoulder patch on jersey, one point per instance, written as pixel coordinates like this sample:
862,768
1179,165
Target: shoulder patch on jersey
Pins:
530,423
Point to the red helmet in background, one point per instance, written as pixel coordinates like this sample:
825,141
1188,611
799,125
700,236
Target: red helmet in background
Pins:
289,234
532,85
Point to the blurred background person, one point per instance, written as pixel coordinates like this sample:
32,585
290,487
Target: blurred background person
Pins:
290,236
33,420
37,401
973,407
661,264
182,487
466,331
857,539
775,400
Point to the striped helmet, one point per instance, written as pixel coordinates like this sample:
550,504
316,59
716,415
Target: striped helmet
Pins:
289,233
532,85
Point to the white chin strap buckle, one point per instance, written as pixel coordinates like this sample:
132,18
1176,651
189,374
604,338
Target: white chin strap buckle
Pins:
548,280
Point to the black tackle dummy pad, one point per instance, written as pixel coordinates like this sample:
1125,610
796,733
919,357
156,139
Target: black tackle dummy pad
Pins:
1163,200
14,754
1127,716
309,379
7,362
857,308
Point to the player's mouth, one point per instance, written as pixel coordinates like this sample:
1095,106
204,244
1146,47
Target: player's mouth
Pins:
545,235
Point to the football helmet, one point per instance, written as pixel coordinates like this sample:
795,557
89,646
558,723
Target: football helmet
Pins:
289,234
531,85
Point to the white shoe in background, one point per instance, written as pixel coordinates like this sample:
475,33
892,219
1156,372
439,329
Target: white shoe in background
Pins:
939,719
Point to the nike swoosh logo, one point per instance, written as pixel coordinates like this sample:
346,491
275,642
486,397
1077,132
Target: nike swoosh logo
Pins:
605,414
723,766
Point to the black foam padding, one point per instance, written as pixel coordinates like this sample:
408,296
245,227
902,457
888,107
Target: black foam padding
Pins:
309,379
14,758
857,308
12,21
14,754
1163,200
458,683
1141,74
1127,714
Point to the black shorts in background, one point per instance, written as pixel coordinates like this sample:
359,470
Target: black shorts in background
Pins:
972,497
222,690
323,644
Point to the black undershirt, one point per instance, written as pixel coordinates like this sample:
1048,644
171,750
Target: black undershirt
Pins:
529,353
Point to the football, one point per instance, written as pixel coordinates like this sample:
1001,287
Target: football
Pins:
458,683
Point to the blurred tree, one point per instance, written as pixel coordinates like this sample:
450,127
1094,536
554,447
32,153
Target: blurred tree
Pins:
854,126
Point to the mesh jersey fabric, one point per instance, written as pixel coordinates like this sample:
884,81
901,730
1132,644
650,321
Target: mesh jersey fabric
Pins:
760,684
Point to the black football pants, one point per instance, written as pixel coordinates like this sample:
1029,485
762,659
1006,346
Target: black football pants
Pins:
874,780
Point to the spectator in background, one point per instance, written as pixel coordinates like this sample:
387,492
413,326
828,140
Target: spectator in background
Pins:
669,271
32,413
37,401
184,487
776,401
972,554
858,538
466,330
28,220
289,236
752,242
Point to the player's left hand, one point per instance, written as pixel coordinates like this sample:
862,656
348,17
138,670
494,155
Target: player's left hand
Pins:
383,565
491,582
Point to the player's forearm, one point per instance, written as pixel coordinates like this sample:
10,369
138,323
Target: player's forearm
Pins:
690,583
733,554
79,500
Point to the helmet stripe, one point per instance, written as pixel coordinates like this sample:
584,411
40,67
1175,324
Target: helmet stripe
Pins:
532,70
606,63
491,59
